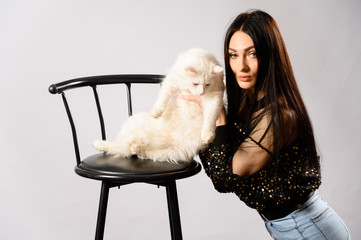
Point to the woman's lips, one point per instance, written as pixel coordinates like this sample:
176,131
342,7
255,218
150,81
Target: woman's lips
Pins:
244,78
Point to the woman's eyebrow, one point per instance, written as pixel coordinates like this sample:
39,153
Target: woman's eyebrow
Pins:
248,48
245,49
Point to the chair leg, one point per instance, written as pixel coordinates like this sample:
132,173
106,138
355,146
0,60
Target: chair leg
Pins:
102,211
173,210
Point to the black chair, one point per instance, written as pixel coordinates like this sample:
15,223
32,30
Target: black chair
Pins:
113,172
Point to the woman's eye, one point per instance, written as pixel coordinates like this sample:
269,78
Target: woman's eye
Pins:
195,84
252,54
232,55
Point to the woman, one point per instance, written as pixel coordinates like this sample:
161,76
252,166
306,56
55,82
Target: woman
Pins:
264,150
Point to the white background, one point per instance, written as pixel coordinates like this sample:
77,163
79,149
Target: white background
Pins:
46,41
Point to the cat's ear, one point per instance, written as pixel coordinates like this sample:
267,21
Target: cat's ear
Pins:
217,69
190,69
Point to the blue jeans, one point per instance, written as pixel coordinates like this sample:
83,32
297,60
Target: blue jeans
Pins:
313,220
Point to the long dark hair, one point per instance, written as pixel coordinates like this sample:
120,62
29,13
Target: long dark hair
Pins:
275,80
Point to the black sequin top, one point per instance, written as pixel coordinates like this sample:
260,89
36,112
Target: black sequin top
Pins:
283,180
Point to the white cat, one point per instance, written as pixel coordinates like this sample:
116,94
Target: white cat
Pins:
175,129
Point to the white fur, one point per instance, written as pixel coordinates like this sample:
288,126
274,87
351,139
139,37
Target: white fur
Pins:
175,129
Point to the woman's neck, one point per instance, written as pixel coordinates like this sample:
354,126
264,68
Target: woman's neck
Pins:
250,94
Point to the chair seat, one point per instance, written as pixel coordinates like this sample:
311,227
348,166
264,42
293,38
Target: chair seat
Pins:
112,168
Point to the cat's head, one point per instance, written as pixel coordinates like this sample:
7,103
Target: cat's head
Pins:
199,72
200,81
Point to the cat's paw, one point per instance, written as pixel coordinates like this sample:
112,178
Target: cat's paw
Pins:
156,112
134,149
207,136
101,145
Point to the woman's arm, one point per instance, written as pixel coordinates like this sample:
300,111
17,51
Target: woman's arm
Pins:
217,160
250,157
255,151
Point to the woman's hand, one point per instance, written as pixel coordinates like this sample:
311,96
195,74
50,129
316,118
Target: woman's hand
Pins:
222,120
187,95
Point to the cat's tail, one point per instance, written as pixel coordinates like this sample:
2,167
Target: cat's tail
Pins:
102,146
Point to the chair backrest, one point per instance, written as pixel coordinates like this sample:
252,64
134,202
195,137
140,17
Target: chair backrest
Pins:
93,82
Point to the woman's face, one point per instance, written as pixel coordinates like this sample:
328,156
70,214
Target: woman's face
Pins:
243,60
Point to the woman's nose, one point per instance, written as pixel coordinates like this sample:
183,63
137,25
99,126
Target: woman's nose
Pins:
242,65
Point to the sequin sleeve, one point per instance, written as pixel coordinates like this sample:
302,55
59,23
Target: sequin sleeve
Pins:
217,160
283,180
